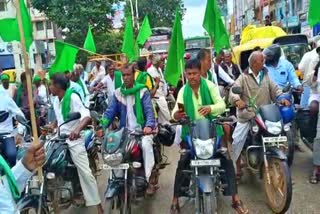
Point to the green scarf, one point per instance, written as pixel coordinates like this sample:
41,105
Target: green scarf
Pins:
66,103
142,78
82,86
189,105
117,79
19,94
135,90
210,77
10,178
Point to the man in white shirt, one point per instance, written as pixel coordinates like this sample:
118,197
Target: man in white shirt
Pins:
75,86
162,91
97,74
41,90
9,87
66,102
76,77
8,110
22,172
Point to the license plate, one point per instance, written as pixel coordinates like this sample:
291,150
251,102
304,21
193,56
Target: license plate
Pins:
199,163
121,166
275,139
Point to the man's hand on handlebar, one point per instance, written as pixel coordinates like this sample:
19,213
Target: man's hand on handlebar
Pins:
74,135
147,131
240,104
179,115
204,110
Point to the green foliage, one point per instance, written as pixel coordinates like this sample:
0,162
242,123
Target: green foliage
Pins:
161,13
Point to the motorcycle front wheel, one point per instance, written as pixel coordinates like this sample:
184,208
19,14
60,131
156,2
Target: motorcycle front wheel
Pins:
209,203
279,190
290,147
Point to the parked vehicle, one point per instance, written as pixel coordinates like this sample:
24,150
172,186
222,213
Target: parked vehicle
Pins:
263,154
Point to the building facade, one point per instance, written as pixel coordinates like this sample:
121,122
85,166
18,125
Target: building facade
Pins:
41,50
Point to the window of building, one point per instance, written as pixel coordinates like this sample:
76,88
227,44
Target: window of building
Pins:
3,5
49,25
39,26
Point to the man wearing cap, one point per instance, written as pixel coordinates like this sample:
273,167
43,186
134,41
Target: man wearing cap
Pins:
10,88
155,72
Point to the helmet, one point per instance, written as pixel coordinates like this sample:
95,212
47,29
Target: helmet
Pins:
56,157
166,135
272,54
287,113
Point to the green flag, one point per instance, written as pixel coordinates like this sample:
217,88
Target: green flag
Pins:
9,27
65,57
145,32
129,47
175,63
314,15
214,26
89,43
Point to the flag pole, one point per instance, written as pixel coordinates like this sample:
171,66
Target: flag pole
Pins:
29,83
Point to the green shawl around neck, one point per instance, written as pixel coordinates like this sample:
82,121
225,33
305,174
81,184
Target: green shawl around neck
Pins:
10,178
66,103
210,77
142,78
135,90
19,95
117,79
82,87
206,99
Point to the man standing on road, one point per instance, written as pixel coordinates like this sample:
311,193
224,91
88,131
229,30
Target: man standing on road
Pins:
67,101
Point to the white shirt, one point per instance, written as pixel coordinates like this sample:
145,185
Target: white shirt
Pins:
109,83
131,117
308,62
222,74
76,106
257,78
7,202
7,104
42,94
97,74
11,90
157,73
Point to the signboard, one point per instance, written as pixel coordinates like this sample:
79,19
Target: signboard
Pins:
306,29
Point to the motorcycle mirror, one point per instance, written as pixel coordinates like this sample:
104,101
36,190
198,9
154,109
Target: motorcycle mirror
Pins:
237,90
95,115
286,89
73,116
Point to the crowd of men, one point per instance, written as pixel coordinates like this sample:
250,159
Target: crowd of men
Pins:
138,95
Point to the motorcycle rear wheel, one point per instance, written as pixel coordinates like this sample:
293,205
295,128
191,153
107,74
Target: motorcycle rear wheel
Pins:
279,191
290,147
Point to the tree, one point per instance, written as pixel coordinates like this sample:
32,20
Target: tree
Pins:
161,13
77,15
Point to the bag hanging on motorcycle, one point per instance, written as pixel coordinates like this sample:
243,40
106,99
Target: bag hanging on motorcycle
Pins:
307,125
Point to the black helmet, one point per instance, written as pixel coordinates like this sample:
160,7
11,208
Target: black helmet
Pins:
272,54
166,135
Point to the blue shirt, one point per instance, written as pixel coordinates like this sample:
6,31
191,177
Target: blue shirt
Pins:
283,74
7,202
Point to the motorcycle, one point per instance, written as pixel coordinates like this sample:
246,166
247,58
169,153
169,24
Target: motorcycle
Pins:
99,101
263,153
60,184
204,148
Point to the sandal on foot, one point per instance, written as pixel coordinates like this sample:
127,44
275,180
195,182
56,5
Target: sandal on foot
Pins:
313,179
239,207
175,209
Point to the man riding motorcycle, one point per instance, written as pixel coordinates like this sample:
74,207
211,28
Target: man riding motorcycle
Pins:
258,88
8,109
132,104
200,99
67,101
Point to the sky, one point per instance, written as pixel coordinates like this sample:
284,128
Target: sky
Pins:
192,21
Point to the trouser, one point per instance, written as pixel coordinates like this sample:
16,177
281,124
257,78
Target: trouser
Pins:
239,137
9,149
87,181
182,180
164,113
316,146
148,156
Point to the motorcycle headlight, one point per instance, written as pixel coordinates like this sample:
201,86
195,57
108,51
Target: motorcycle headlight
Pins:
274,128
204,148
255,129
114,159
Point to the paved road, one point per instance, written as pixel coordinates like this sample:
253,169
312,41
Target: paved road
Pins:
305,196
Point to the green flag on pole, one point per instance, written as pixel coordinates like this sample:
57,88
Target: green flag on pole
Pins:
129,47
145,32
213,24
314,15
175,63
9,27
89,43
65,57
